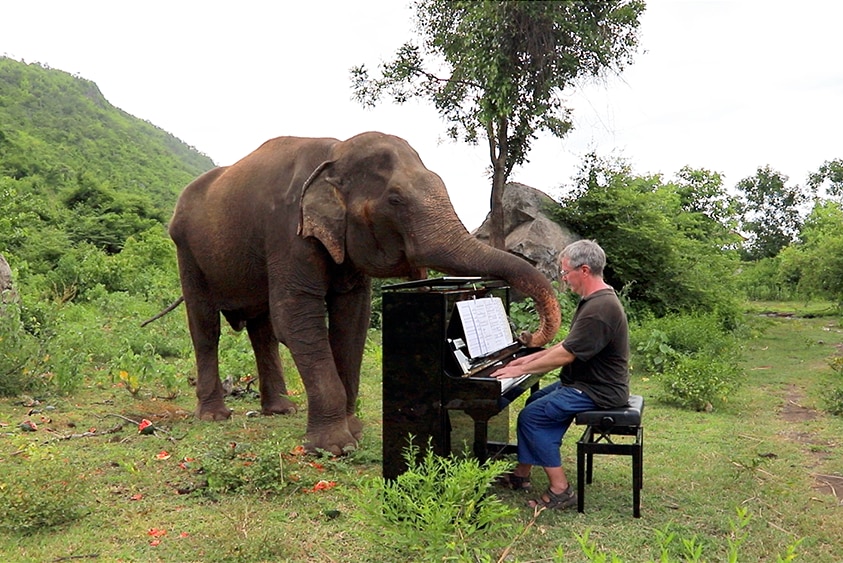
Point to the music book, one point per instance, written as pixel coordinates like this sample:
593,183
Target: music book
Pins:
485,325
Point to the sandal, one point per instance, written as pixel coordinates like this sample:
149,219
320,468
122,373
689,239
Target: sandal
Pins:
512,481
565,499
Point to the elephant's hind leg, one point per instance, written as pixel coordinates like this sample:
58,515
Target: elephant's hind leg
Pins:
204,324
273,390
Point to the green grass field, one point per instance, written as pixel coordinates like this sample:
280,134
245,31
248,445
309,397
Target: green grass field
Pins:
87,486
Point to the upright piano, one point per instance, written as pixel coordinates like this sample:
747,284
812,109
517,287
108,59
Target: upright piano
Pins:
437,387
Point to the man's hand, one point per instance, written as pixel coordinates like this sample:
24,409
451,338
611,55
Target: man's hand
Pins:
540,362
509,371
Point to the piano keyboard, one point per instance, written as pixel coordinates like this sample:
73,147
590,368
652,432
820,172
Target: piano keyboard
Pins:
506,384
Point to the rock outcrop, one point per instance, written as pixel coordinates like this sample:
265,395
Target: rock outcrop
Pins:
529,232
7,290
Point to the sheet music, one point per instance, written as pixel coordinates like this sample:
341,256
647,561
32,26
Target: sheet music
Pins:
485,324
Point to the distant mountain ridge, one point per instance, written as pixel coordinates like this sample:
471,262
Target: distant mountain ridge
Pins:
58,129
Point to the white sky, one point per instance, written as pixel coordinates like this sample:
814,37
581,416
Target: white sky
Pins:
726,85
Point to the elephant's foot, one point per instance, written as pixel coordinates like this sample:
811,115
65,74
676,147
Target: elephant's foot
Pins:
355,426
278,405
335,439
213,412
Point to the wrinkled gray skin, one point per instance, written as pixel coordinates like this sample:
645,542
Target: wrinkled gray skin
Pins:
285,242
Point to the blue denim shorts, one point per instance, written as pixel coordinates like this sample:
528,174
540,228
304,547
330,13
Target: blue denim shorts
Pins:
543,421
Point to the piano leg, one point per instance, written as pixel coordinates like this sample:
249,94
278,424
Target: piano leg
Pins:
481,432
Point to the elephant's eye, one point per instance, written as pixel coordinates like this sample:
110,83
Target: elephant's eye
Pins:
395,199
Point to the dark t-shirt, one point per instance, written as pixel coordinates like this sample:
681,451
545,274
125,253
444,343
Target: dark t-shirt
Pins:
599,339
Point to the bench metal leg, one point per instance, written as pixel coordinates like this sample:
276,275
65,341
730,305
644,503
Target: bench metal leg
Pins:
588,446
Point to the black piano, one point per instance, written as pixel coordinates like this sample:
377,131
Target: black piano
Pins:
435,386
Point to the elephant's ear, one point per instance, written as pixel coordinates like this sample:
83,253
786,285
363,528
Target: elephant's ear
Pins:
323,212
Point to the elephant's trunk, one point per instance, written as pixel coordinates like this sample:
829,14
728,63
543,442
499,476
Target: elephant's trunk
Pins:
470,257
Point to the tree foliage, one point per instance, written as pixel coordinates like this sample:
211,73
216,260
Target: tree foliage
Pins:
78,179
662,247
498,70
709,212
772,212
56,128
828,179
814,265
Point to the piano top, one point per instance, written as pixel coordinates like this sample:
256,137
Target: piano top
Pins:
446,282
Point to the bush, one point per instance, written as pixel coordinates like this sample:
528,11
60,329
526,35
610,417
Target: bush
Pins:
235,467
699,382
694,357
438,507
20,354
665,243
523,315
834,399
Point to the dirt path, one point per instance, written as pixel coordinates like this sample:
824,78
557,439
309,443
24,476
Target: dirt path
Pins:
796,414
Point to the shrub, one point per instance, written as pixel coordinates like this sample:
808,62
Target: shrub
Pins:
439,507
834,399
694,357
700,382
523,315
20,353
235,467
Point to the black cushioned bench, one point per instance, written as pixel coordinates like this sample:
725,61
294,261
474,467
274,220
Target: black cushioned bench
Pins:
601,425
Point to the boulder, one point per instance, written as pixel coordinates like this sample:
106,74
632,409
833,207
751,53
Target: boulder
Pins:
529,232
7,291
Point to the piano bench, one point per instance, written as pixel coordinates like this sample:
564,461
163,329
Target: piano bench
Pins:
600,427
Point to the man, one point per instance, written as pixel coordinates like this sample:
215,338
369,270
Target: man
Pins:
594,358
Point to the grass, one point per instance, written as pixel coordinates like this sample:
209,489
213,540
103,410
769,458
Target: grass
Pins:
769,451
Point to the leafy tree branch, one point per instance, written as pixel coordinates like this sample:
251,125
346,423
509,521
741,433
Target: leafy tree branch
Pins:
499,70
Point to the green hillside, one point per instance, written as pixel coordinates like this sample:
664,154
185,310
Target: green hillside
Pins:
58,129
79,180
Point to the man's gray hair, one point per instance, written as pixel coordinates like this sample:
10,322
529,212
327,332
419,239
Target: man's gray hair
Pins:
585,252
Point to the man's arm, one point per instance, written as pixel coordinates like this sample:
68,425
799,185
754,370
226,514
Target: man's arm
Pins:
540,362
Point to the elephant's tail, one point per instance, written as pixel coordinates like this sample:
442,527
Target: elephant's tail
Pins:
169,308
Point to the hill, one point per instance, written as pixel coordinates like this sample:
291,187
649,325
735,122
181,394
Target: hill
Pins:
79,180
59,130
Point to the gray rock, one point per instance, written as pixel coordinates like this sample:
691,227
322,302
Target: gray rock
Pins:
7,290
529,232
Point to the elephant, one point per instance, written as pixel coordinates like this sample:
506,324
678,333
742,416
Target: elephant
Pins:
285,242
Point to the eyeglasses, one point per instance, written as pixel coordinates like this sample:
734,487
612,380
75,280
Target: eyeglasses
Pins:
563,273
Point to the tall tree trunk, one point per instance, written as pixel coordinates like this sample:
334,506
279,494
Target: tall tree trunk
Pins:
498,154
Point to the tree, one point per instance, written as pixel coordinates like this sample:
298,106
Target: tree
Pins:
662,265
501,69
771,213
830,177
710,213
814,265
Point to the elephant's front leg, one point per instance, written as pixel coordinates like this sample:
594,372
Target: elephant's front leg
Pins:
306,335
348,322
273,390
